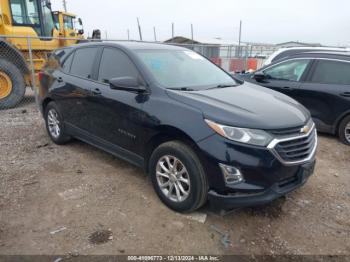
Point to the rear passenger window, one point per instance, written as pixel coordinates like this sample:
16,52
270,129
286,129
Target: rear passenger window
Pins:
114,63
331,72
83,62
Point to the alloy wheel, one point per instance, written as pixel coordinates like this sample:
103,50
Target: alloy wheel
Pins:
53,123
173,178
347,132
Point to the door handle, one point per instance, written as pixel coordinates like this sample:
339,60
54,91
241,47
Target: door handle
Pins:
96,92
345,94
287,88
59,79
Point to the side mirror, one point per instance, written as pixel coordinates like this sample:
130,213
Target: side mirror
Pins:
259,76
80,21
126,83
81,31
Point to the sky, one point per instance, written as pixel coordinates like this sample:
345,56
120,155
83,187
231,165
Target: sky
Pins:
268,21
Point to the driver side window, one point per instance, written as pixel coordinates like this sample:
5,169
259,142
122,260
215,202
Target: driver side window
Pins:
114,63
291,70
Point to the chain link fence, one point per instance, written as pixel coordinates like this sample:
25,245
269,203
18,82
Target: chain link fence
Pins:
22,58
234,58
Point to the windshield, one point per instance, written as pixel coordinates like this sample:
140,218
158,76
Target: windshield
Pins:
68,22
183,69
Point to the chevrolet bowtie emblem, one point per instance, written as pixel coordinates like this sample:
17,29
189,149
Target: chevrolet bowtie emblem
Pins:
305,129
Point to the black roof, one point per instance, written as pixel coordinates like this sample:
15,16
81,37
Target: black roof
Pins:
133,45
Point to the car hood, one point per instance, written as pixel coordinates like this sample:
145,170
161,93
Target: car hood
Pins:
246,105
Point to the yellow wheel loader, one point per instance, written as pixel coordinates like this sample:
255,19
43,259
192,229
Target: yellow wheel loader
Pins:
29,25
66,23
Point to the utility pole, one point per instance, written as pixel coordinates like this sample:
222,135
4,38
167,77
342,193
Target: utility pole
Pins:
138,24
192,33
172,30
65,5
128,32
239,37
155,35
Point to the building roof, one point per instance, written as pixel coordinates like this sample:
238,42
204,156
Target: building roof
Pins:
201,40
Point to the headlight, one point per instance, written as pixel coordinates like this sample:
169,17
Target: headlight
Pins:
242,135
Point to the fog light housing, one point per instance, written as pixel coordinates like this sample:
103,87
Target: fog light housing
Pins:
231,174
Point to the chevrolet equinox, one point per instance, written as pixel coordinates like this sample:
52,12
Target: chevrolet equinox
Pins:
201,135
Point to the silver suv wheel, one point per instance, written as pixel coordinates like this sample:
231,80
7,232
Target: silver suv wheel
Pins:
53,123
173,178
347,132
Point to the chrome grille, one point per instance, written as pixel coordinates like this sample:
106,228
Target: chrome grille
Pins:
295,150
286,131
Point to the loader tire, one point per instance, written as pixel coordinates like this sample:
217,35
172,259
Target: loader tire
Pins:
12,85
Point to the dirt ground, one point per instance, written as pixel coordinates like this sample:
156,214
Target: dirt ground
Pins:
76,199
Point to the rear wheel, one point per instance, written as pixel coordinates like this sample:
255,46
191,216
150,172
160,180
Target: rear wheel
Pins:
344,130
12,85
55,125
178,177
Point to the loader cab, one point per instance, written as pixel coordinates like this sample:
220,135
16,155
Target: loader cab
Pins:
33,13
68,25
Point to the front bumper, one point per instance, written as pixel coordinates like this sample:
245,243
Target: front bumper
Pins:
236,200
265,176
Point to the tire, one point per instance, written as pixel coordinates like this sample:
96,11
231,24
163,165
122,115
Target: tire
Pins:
55,125
16,80
196,188
344,130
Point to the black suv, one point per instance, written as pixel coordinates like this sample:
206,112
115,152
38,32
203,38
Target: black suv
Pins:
318,80
198,133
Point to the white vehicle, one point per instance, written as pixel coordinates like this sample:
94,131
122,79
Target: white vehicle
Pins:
284,52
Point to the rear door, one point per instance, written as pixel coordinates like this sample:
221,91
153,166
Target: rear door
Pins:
286,77
75,86
326,92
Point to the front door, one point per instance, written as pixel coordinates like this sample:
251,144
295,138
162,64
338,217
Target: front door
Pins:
116,115
285,77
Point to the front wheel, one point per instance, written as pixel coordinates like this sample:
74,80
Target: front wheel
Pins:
178,177
344,130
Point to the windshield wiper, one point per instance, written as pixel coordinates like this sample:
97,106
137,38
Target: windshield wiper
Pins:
221,86
181,89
